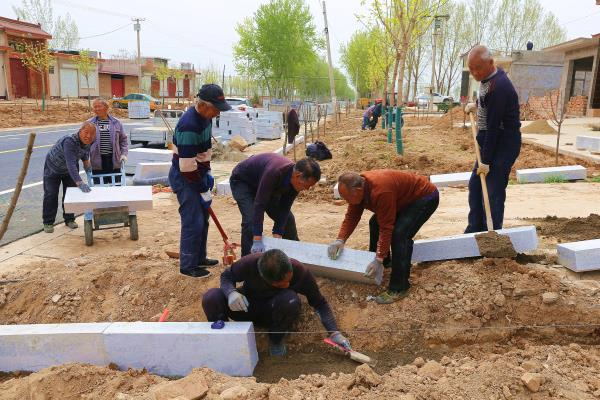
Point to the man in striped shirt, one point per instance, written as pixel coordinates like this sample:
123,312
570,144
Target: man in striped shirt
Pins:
190,177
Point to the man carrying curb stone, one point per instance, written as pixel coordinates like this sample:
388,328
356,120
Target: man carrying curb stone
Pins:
401,202
62,166
190,178
269,297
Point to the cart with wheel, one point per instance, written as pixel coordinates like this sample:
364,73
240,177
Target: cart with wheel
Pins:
111,217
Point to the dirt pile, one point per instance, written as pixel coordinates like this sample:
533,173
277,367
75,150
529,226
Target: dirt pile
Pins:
539,127
569,229
494,245
454,115
528,113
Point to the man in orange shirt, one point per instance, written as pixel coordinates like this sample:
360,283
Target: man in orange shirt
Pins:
401,202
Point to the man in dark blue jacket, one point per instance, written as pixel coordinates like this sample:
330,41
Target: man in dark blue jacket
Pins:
499,138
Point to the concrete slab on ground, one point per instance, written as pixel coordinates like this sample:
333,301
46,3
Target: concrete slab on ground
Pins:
223,188
537,175
456,179
591,143
336,192
136,198
151,170
524,239
580,256
144,155
350,265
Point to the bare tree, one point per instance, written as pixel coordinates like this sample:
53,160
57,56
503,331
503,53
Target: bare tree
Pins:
555,109
86,65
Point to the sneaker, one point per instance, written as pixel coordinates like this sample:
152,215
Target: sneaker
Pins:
390,296
277,349
48,228
208,262
72,224
195,272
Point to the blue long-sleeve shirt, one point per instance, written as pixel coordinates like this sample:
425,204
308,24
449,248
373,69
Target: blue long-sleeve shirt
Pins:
498,116
269,175
63,158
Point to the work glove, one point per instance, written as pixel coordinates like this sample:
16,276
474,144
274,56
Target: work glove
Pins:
339,339
374,269
470,107
335,249
483,169
206,199
123,158
257,246
84,188
237,301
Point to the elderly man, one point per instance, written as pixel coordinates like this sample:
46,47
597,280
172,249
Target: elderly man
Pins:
499,138
110,148
372,114
401,202
269,183
62,166
269,297
190,179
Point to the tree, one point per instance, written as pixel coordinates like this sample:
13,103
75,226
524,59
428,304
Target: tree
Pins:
162,73
65,34
555,109
86,65
355,58
177,74
38,58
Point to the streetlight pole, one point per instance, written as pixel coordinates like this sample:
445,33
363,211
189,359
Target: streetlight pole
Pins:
331,80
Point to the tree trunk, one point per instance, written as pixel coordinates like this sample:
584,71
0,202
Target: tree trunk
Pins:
43,91
401,67
87,81
394,76
557,144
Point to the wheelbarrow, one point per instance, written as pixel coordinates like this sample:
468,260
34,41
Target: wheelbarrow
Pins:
110,217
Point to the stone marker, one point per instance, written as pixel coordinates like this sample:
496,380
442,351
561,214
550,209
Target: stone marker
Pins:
136,198
350,265
536,175
223,188
587,142
456,179
580,256
151,170
523,239
145,155
336,192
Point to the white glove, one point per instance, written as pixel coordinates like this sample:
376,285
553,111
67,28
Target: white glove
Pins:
374,269
124,158
483,169
237,301
470,107
335,249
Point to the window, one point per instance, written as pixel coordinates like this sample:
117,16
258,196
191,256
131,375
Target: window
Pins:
51,70
582,81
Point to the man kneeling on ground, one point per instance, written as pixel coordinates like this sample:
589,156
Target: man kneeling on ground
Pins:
269,297
401,202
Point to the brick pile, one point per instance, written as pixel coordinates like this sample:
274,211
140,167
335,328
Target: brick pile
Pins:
577,106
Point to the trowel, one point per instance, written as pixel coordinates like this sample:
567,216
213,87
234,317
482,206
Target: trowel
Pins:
354,355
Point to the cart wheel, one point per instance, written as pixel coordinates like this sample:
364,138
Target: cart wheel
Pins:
89,233
133,227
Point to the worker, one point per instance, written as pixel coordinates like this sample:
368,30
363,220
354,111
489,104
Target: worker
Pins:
372,114
268,297
499,138
293,124
62,166
269,183
110,148
190,178
401,202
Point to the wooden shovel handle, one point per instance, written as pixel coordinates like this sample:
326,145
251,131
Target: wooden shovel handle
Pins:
484,190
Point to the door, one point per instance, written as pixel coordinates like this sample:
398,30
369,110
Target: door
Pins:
155,87
186,88
171,87
19,81
68,83
117,86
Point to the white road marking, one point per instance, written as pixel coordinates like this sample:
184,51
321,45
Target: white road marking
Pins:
30,185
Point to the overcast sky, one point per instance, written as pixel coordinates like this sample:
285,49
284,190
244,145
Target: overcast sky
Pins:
203,32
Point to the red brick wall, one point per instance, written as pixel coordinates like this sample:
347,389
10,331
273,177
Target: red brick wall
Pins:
577,106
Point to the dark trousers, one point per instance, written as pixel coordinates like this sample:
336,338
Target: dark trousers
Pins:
107,168
408,223
52,184
194,222
277,313
496,180
244,196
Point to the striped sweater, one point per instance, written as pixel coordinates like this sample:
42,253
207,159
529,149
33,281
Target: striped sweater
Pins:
192,146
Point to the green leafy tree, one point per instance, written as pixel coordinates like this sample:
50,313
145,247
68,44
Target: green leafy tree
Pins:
86,65
162,73
37,57
355,58
178,75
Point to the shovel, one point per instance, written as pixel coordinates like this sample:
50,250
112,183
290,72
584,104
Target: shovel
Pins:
354,355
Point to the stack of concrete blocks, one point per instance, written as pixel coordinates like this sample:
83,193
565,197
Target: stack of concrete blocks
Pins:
268,124
537,175
523,239
135,198
580,256
164,348
223,188
591,143
351,265
233,123
143,155
446,180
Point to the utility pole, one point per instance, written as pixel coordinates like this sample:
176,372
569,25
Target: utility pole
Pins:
331,81
137,27
437,31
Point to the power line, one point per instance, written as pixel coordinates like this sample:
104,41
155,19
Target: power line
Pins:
93,9
580,18
105,33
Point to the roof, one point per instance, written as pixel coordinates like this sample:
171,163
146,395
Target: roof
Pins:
575,44
23,29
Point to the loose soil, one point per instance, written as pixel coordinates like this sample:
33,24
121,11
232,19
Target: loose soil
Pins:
569,229
494,245
540,127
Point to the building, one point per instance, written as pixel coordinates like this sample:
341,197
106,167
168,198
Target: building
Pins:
16,80
67,81
533,73
580,80
118,77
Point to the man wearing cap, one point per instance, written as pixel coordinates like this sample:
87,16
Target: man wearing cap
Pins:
190,178
268,297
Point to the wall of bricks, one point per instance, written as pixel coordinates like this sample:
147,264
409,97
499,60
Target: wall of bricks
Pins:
577,106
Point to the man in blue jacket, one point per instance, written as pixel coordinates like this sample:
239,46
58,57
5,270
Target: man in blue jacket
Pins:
499,138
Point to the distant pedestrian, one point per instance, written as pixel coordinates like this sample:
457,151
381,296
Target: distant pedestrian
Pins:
293,124
110,148
499,138
372,114
62,166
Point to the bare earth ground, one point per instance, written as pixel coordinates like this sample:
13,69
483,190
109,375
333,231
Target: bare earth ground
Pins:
481,323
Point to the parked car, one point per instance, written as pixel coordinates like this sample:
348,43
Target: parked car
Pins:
236,102
124,101
437,98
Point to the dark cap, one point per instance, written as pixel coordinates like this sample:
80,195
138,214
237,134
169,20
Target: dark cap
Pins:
214,94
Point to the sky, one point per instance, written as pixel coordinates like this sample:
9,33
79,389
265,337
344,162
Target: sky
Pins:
203,32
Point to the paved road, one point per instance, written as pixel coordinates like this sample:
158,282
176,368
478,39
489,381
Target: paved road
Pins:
28,214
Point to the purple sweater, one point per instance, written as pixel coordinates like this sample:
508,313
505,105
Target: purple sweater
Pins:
269,175
118,138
